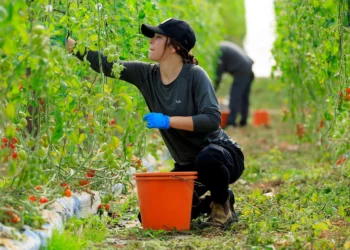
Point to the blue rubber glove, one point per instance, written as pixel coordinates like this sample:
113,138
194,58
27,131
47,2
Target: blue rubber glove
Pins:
157,120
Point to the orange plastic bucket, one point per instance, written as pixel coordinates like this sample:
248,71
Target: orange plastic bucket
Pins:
165,199
261,117
224,117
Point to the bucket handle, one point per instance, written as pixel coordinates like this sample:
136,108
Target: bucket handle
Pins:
186,180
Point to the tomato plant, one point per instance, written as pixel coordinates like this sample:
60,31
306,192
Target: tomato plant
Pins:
310,52
60,122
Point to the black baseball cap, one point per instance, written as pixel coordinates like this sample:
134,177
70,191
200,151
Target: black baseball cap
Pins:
177,29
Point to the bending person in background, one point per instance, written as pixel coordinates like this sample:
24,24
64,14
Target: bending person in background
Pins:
233,60
184,107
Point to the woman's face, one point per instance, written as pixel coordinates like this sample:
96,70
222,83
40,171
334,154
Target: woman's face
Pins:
157,48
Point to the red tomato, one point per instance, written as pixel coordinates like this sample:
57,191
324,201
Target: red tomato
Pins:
43,200
65,185
5,140
90,173
32,198
68,193
14,155
84,182
115,215
107,207
15,218
38,187
112,122
14,140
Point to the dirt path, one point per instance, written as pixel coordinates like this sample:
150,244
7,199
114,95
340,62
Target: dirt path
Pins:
289,197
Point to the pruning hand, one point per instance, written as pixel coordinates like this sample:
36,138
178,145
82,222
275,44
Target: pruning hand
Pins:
157,120
61,36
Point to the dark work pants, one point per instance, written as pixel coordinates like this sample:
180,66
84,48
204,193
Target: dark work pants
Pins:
217,167
239,98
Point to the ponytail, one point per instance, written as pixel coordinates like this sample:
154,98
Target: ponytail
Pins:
191,59
186,56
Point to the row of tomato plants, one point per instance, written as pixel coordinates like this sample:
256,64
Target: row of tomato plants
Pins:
62,125
311,51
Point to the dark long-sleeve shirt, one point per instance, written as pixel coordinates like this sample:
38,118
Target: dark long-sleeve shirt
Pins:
190,94
233,60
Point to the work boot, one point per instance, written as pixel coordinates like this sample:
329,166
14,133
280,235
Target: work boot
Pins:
221,216
203,206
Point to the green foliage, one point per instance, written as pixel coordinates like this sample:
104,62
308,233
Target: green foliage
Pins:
310,53
65,240
66,119
92,229
233,14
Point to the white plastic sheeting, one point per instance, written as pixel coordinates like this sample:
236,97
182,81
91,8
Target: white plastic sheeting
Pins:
81,205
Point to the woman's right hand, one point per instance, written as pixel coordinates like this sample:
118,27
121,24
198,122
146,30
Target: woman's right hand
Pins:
70,44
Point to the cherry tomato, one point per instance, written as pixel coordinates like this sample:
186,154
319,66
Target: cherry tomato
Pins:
68,193
111,122
43,200
84,182
107,207
15,218
90,173
32,198
14,155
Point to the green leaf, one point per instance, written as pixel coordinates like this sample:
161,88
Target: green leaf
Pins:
115,141
58,132
294,227
320,226
94,38
64,19
328,116
127,99
82,138
341,211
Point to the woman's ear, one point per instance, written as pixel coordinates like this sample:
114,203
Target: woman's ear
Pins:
173,49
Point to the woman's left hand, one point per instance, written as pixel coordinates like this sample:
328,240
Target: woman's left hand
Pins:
157,120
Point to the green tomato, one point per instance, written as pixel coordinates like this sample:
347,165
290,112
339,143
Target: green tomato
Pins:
23,122
110,158
42,152
110,58
22,155
10,131
104,147
44,137
112,49
105,199
105,155
114,164
106,52
22,114
38,29
115,57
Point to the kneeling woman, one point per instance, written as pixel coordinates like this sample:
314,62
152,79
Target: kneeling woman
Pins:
184,107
